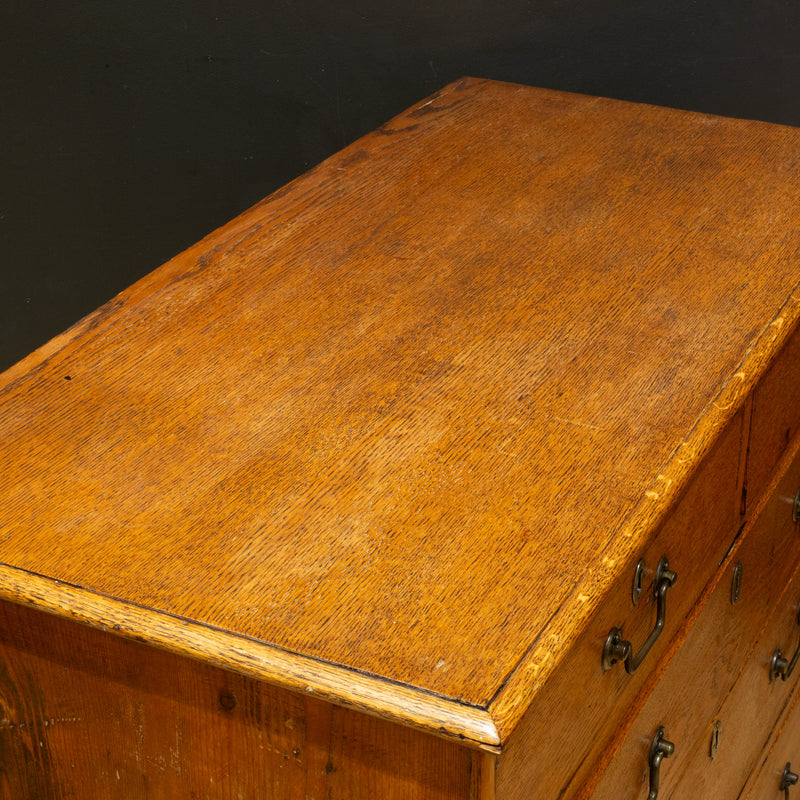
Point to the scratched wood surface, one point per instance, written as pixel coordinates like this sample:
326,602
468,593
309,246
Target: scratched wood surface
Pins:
723,647
400,417
561,744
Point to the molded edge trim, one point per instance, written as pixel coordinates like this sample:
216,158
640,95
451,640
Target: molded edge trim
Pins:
369,694
543,658
486,729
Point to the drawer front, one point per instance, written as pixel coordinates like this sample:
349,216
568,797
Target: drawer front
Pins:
781,758
580,708
749,713
775,417
725,647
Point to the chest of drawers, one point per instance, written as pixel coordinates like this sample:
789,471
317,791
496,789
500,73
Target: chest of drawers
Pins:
462,468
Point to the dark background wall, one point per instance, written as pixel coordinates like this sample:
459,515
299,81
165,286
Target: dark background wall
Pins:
129,130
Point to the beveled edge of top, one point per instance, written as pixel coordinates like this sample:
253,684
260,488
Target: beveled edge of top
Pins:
407,705
539,663
332,682
487,728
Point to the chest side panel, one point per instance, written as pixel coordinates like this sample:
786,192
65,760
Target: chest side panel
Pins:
91,715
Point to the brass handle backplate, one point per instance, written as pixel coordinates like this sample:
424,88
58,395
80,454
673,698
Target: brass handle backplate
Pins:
619,649
779,666
788,779
660,749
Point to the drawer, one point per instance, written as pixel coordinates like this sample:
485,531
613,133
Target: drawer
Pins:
782,757
582,706
775,417
723,647
749,712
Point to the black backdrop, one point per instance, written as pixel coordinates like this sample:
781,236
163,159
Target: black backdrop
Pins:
129,130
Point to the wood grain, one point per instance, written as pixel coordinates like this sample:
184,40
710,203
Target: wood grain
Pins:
397,419
748,717
776,416
713,657
559,746
468,725
568,630
750,712
92,716
784,749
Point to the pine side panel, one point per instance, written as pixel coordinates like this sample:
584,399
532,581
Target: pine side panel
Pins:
87,715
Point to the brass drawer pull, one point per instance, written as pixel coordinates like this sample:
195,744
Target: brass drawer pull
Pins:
660,749
780,666
788,779
619,649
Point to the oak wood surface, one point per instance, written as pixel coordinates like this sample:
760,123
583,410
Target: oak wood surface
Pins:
751,711
715,654
561,744
405,417
748,715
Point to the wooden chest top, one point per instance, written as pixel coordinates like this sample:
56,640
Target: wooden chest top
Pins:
386,435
